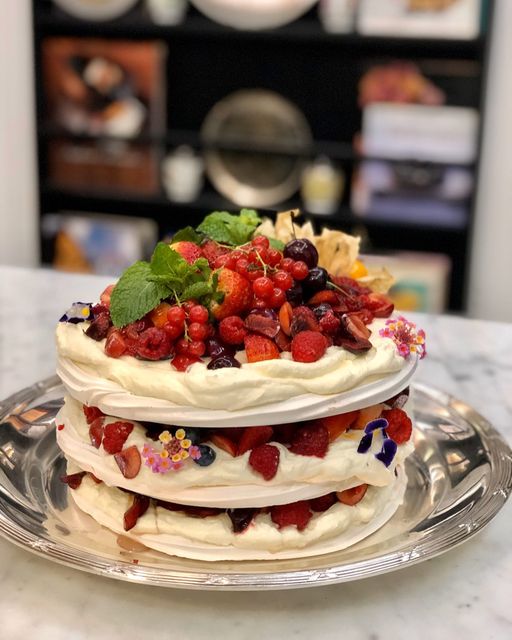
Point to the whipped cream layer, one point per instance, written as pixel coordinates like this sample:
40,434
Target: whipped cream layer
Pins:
212,538
298,477
254,384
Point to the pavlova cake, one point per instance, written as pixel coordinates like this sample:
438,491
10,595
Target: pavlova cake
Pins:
234,399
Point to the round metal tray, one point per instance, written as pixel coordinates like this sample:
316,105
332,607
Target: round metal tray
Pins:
460,475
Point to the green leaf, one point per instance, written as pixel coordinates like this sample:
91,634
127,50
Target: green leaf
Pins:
135,295
166,261
250,217
197,290
276,244
230,229
188,234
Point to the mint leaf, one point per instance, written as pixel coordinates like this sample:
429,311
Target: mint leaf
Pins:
188,234
276,244
135,295
230,229
197,291
167,262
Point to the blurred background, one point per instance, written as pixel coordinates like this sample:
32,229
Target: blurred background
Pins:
124,120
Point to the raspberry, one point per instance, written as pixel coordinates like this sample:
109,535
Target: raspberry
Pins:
115,435
329,323
253,437
153,344
400,425
91,413
323,502
295,514
308,346
232,330
311,440
265,460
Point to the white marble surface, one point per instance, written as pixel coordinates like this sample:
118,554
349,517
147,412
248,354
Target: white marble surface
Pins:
465,593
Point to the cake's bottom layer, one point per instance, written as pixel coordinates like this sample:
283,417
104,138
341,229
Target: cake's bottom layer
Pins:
212,538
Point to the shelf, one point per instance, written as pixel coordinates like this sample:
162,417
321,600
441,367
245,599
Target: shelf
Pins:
186,212
137,25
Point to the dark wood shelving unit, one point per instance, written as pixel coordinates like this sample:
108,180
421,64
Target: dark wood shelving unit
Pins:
318,71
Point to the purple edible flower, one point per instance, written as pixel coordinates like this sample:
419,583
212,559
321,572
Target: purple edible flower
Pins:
379,423
365,443
387,452
78,312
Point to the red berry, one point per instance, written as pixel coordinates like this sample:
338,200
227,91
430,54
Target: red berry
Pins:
277,299
296,514
128,461
399,426
263,287
311,440
197,331
254,274
329,323
198,313
182,361
106,294
96,431
308,346
182,346
74,480
153,344
323,503
260,242
352,496
91,413
115,346
258,348
224,442
273,257
115,435
303,319
265,460
254,437
241,266
196,348
138,508
283,280
260,304
232,330
287,264
188,306
299,270
172,330
176,315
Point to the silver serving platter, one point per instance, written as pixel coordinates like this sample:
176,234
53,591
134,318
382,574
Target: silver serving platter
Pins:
459,478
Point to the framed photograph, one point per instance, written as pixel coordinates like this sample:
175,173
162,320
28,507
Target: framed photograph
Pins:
420,18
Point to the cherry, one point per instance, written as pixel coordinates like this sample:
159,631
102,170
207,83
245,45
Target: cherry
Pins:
222,362
316,280
302,249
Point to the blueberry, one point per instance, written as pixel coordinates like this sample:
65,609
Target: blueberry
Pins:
194,435
208,456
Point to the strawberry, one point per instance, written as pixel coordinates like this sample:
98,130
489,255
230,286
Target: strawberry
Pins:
399,426
115,345
212,250
128,461
295,514
232,433
237,292
91,413
323,502
311,440
258,348
336,425
74,480
352,496
139,507
366,415
253,437
188,250
283,433
115,435
265,460
96,431
224,443
105,296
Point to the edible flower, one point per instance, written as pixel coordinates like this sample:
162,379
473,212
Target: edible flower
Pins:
389,447
388,452
77,312
407,337
175,450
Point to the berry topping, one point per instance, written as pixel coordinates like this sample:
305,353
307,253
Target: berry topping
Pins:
96,431
223,442
327,296
355,327
128,461
153,344
207,456
296,514
237,292
311,440
366,415
378,303
253,437
303,319
91,413
308,346
295,295
241,518
215,347
74,480
182,362
263,321
303,250
232,330
224,362
329,323
115,435
188,250
285,318
258,348
159,315
115,346
198,313
139,507
105,296
315,281
265,460
336,425
352,496
323,503
399,426
99,327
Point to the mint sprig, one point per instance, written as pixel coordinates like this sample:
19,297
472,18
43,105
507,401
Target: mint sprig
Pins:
230,229
144,285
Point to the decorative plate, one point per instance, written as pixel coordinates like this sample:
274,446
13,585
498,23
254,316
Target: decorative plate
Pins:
459,477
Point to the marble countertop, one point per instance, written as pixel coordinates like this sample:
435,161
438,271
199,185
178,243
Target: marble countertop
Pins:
464,593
